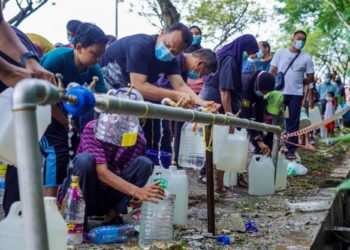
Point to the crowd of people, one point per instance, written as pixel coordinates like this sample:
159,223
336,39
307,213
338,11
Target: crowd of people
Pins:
238,79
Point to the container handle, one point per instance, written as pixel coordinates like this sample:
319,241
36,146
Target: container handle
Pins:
16,210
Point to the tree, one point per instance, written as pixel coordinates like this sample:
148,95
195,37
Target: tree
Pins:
219,20
327,23
26,8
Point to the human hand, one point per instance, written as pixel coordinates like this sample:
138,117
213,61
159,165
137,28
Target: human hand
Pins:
264,148
211,106
39,72
231,129
151,193
185,101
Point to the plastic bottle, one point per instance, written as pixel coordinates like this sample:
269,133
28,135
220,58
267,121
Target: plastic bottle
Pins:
157,219
281,172
178,185
3,169
111,234
192,147
73,211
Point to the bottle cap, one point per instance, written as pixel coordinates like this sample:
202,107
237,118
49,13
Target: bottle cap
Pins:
163,183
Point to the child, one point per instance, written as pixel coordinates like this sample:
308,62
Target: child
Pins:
76,65
329,112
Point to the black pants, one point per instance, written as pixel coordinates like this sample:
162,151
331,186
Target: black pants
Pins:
100,199
293,102
11,188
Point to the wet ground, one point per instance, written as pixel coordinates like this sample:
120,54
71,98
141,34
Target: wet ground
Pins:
282,222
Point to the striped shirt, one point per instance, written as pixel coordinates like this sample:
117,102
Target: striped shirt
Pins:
116,158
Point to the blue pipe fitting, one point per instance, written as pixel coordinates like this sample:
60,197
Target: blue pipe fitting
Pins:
85,100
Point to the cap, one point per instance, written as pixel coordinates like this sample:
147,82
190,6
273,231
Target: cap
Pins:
274,102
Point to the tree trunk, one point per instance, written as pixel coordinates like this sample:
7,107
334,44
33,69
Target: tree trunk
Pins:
170,14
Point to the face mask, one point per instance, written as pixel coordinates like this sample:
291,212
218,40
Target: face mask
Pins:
327,80
299,44
259,93
163,53
193,75
244,56
71,40
328,98
197,39
251,59
260,54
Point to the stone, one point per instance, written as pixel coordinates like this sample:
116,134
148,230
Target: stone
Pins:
232,222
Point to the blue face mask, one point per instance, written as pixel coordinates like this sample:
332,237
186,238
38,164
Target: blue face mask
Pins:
259,93
197,39
299,44
193,75
71,40
163,53
260,54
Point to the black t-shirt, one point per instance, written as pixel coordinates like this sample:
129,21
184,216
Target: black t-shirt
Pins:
136,54
224,79
26,42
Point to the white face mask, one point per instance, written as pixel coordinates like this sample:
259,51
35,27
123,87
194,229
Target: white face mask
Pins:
328,98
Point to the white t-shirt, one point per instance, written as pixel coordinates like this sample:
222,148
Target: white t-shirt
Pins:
295,74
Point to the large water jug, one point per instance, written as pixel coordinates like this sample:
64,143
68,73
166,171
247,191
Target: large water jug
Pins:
157,219
12,233
315,115
178,185
7,134
304,119
281,172
192,147
261,176
220,134
234,153
230,179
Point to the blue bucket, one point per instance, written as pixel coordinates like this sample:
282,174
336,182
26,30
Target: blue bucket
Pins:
165,157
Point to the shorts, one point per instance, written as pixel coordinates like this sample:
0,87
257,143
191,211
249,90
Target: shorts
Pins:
55,150
330,125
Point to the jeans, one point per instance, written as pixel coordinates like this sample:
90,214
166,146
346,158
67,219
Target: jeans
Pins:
293,102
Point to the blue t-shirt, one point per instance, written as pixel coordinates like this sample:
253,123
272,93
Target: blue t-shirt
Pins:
136,54
324,88
265,65
61,60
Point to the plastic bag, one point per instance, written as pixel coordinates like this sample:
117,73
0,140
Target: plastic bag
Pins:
295,168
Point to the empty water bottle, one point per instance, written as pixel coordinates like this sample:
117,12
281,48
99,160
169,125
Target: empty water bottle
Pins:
3,169
192,147
110,234
157,219
73,211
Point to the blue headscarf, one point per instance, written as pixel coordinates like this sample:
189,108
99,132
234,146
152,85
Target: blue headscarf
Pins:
246,43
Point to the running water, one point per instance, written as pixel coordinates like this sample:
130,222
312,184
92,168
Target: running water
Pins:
70,145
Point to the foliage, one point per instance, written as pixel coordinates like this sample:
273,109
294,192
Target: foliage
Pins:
219,20
327,23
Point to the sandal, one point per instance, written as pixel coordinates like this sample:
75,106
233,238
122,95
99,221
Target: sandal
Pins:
241,182
202,180
226,193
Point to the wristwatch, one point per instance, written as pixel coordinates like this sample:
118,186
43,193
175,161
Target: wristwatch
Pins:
29,54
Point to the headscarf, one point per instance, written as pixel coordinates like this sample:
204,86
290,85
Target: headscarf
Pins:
235,49
246,43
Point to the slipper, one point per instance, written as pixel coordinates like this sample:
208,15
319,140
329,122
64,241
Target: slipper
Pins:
241,182
226,193
202,180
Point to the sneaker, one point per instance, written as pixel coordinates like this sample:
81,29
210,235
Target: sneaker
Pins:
291,156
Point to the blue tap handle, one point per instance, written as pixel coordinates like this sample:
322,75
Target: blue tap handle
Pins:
85,100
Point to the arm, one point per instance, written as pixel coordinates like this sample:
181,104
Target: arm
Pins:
147,193
273,70
154,93
225,96
11,74
306,94
309,79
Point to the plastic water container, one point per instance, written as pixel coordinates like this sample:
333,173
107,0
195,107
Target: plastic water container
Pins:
12,233
178,185
281,172
261,176
315,115
3,168
192,147
157,219
7,134
154,156
220,134
304,119
234,152
230,179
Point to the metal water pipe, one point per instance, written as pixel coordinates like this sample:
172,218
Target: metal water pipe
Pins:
28,93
